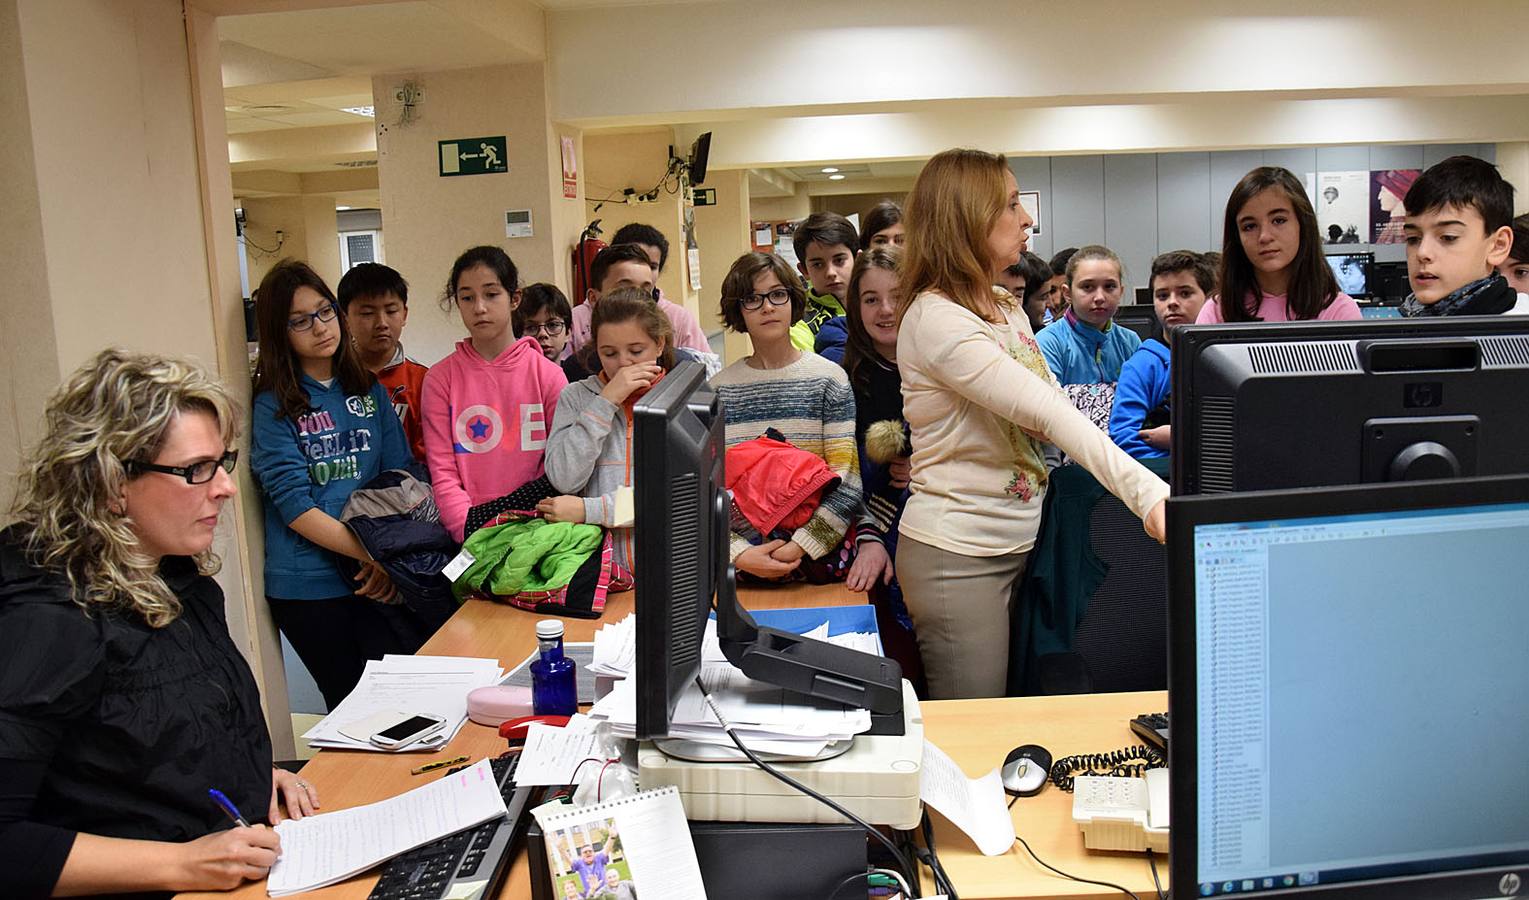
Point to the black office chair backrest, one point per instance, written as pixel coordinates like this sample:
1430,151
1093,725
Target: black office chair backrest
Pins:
1123,638
1090,618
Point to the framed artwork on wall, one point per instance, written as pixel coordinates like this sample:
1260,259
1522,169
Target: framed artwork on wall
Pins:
1031,201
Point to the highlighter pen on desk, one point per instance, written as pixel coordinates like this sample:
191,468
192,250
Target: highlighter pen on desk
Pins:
227,806
431,767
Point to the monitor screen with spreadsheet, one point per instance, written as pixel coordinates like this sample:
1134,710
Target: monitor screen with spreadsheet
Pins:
1349,690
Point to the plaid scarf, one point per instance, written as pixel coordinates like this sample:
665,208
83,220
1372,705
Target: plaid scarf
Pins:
1487,296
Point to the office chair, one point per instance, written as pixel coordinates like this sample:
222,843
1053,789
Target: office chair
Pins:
1091,612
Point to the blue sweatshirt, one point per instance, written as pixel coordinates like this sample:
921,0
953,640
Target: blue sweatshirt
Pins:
831,339
317,461
1079,353
1143,387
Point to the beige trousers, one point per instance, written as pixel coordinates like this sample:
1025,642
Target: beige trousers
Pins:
960,609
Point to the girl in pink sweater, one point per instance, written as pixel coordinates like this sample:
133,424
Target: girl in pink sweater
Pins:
1272,268
487,406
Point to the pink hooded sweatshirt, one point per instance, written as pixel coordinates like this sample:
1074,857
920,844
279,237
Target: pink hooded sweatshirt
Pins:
486,424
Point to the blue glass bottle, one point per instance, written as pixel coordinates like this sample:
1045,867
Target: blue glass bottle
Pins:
554,683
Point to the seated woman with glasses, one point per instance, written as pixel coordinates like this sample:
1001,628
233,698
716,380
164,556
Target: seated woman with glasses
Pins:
803,397
323,427
122,697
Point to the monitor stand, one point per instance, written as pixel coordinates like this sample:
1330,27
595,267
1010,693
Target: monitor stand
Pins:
808,666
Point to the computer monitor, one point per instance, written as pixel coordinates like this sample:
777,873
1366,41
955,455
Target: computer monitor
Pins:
1267,406
1347,687
1353,272
681,542
1141,319
683,566
1388,282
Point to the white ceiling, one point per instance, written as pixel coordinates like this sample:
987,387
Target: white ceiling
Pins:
365,40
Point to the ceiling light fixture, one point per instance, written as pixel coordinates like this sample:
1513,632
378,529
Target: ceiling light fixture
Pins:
341,208
830,170
369,112
836,178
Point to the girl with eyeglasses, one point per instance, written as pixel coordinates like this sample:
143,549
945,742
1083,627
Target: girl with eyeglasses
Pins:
122,696
587,452
323,427
805,398
489,405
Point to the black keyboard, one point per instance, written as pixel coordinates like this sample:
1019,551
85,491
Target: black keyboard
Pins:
478,856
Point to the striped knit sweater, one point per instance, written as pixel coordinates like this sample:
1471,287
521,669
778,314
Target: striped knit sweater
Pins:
810,403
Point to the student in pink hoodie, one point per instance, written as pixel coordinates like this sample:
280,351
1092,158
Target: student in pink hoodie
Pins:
487,406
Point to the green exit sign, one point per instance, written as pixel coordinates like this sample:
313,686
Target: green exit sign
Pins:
474,156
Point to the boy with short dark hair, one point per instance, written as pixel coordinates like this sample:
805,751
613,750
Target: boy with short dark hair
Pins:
687,329
1056,300
1181,282
825,245
375,302
1029,282
617,266
1459,229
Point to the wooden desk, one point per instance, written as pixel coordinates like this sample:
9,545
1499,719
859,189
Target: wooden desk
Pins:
978,734
353,777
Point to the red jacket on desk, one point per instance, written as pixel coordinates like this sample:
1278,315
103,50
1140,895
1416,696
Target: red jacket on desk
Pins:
775,484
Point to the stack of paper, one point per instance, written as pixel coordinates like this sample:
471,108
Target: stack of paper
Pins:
616,648
767,718
433,685
322,849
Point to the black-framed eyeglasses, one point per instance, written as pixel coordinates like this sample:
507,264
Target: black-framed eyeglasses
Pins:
304,321
196,473
777,297
552,328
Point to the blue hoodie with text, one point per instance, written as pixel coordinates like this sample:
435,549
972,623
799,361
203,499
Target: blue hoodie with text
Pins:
341,443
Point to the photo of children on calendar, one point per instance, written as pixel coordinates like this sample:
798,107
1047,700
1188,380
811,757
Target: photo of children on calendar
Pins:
587,863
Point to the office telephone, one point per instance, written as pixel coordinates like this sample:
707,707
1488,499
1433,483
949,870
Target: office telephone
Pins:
1120,799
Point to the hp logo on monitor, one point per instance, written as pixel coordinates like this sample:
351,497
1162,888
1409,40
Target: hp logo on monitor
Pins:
1509,885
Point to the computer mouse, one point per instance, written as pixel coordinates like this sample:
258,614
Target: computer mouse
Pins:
1025,770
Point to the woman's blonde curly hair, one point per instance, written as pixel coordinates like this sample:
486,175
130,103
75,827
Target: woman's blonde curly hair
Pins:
116,408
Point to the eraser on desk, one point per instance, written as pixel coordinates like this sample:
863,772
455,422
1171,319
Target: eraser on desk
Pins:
498,703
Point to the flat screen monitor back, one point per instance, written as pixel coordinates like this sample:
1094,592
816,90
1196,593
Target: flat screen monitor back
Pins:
681,536
1267,406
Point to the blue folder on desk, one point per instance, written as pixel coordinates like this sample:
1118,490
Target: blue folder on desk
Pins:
841,619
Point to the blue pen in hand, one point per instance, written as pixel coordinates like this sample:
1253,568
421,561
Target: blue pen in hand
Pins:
227,806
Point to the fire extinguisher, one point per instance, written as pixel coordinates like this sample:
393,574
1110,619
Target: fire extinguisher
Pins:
584,253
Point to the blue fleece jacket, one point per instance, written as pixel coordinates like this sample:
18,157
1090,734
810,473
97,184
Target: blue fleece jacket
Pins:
316,462
831,338
1082,354
1143,387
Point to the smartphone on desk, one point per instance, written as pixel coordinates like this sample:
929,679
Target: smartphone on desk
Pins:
408,730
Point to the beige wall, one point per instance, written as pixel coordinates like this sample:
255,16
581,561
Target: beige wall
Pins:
429,220
107,231
781,209
722,232
637,160
121,209
309,233
27,340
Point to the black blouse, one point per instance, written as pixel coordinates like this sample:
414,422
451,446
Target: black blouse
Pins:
113,728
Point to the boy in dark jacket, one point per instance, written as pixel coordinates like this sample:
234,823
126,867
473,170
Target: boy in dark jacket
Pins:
1181,281
1459,229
